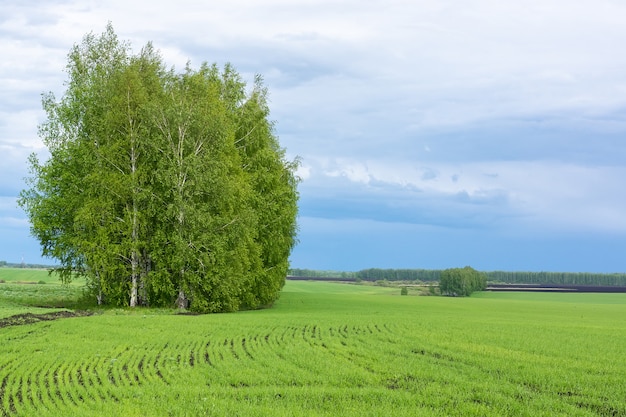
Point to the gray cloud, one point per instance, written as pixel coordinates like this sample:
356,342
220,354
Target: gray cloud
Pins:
475,114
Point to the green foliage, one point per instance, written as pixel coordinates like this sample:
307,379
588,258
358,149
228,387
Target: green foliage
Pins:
328,350
372,274
562,278
315,273
399,274
404,291
432,290
162,188
461,282
511,277
17,296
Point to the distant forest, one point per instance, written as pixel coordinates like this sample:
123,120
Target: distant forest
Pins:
5,264
432,275
504,277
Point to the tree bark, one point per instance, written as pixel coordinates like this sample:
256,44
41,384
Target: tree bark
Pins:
134,257
133,278
181,301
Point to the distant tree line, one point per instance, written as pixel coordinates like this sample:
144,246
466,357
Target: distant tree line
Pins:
564,278
5,264
372,274
314,273
509,277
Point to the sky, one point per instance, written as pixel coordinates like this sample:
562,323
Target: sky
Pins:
432,134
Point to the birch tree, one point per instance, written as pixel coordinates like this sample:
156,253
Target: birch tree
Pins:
275,196
162,188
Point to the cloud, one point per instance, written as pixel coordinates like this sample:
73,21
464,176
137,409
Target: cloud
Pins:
11,216
13,222
499,117
303,172
354,172
525,196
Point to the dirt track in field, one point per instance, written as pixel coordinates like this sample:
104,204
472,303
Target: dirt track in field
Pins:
29,318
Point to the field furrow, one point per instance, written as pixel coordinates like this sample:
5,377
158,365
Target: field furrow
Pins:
408,356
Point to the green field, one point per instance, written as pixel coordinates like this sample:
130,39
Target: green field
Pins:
27,275
328,349
35,291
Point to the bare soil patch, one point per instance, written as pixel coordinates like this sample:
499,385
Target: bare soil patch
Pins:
30,318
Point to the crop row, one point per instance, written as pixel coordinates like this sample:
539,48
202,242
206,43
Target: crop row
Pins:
328,354
280,355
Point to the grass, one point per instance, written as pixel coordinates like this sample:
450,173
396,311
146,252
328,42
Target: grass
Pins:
328,349
27,275
35,291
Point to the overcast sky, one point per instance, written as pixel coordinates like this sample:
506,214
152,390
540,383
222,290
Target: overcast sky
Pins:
433,134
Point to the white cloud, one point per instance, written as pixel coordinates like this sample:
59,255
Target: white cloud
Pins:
352,170
10,215
13,222
473,112
304,172
541,195
7,203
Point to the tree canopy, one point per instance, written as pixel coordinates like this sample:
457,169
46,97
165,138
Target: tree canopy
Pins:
162,188
461,282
